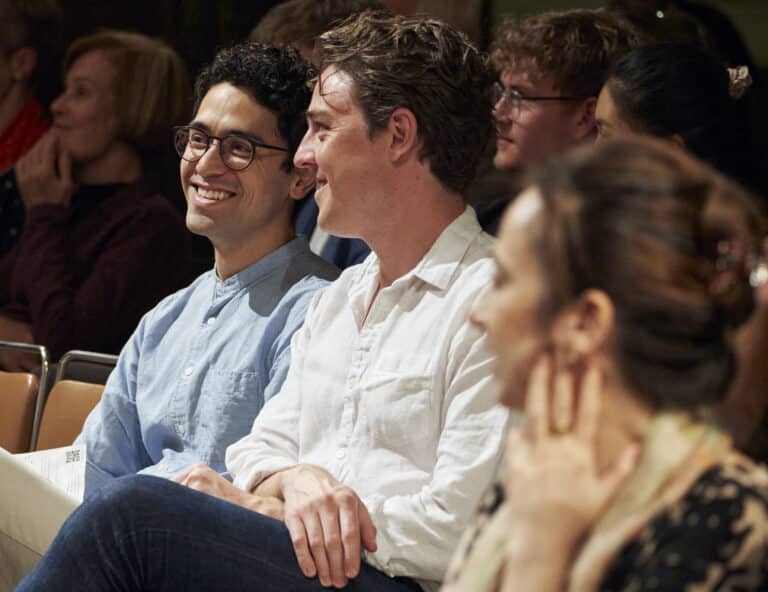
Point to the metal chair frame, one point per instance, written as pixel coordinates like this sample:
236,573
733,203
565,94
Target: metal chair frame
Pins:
79,355
43,378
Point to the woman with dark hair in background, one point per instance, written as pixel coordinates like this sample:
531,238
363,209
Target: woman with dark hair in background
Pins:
96,245
683,94
612,312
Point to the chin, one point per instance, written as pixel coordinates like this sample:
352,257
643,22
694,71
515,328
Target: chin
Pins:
503,161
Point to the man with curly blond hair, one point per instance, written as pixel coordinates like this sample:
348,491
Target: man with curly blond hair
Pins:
551,68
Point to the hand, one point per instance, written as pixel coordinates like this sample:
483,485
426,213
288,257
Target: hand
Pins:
204,479
553,482
328,524
37,176
12,360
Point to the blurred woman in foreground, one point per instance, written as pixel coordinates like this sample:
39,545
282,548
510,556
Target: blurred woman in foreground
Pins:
623,271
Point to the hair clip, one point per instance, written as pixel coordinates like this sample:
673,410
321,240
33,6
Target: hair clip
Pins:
739,81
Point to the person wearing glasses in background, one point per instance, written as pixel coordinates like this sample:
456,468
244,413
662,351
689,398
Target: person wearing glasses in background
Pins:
551,68
203,362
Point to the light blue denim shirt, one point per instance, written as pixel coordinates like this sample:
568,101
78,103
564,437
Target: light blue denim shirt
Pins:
199,368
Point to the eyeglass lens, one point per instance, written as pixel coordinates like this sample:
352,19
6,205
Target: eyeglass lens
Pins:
236,153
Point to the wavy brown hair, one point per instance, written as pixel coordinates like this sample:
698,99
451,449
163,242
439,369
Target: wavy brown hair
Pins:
426,66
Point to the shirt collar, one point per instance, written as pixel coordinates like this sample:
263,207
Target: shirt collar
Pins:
441,262
263,268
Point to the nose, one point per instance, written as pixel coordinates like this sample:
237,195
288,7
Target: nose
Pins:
58,105
211,163
305,153
501,112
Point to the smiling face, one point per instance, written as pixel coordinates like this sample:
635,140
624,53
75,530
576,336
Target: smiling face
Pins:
541,130
229,207
350,166
84,115
511,311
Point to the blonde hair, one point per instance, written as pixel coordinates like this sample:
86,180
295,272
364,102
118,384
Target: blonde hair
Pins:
151,86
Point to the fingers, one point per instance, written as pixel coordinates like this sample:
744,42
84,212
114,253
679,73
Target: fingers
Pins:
300,541
367,528
588,413
316,542
562,402
350,538
65,167
333,547
536,400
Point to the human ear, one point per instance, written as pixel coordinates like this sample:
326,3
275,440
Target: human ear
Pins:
403,133
23,62
583,328
584,125
302,180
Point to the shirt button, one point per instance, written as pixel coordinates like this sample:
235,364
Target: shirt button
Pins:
188,371
211,320
340,454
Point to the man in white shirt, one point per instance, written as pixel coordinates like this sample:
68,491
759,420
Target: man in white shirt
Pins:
386,431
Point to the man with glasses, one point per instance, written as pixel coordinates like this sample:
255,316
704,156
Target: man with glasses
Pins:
551,68
202,363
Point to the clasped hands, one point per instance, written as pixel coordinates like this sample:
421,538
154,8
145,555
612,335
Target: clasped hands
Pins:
328,523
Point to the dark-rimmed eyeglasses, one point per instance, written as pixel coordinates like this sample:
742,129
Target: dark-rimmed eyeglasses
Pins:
236,150
507,101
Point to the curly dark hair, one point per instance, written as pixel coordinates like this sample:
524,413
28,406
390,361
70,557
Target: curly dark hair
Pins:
276,77
426,66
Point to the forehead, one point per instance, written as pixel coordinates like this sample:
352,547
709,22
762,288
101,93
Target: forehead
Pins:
334,94
226,108
518,229
521,77
93,65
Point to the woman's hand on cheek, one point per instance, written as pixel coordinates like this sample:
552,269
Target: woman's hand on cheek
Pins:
44,174
553,483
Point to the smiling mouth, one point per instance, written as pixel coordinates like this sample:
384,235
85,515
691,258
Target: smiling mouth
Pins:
212,194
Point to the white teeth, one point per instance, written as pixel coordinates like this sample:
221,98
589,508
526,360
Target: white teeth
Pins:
210,194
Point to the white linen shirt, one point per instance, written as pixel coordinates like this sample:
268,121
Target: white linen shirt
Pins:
399,405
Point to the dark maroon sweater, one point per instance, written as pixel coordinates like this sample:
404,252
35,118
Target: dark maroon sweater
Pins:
83,275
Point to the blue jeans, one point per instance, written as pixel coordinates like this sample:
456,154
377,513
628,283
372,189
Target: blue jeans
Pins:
148,534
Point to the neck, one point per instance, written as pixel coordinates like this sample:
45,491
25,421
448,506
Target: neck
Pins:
120,164
410,225
233,256
624,420
11,104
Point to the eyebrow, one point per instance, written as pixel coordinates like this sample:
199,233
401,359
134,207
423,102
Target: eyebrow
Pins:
228,132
